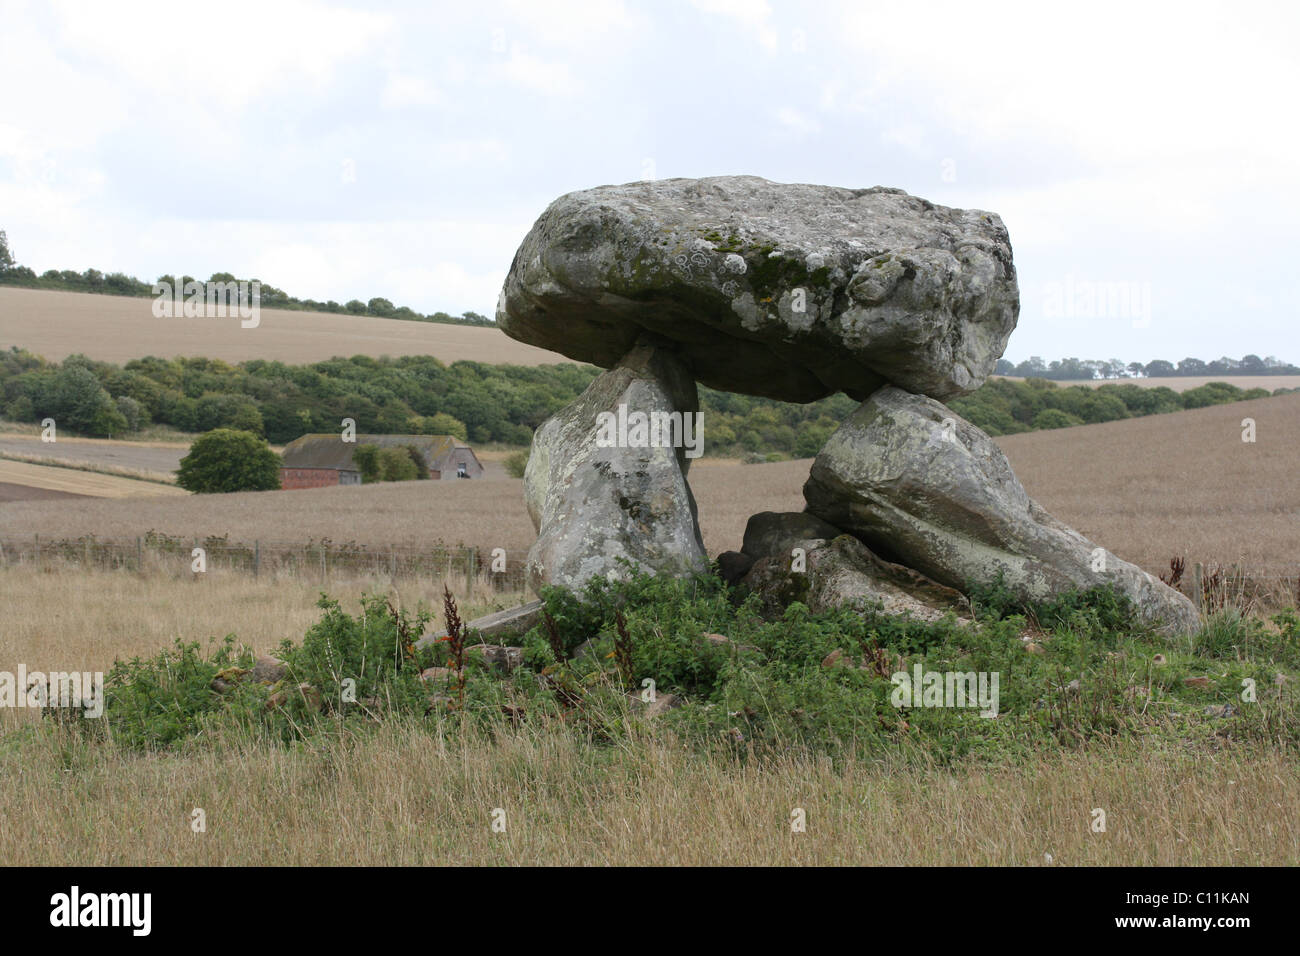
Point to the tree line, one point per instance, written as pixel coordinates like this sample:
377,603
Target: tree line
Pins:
119,283
1073,369
477,402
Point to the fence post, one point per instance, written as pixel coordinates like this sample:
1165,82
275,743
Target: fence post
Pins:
139,553
392,561
471,569
1198,586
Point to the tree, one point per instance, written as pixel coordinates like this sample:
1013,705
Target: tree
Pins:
228,460
366,458
444,424
396,464
380,307
74,398
132,412
1055,418
1159,368
516,463
6,257
403,463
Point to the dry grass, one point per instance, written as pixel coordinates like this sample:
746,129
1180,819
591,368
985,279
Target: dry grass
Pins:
67,618
114,328
410,796
1183,383
81,464
72,480
1146,488
406,794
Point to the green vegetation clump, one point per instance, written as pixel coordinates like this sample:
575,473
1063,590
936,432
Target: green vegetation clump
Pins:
1006,407
229,460
516,463
823,683
401,463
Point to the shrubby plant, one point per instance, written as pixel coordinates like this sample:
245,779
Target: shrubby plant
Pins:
746,683
228,460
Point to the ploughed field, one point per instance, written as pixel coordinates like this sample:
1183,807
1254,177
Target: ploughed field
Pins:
1146,488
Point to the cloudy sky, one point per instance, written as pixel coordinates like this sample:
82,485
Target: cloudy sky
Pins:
1143,156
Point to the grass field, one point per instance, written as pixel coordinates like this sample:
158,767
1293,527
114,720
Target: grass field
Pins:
411,794
114,328
1146,488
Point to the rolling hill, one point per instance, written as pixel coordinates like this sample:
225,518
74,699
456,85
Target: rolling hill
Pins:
119,328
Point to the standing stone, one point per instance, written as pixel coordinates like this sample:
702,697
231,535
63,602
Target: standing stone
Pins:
789,291
922,486
593,505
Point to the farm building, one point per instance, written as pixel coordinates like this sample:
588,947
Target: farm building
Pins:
321,460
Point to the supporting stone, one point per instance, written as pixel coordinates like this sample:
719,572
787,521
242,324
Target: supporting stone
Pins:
598,487
920,485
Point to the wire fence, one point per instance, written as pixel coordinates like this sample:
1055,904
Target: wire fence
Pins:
1211,585
497,568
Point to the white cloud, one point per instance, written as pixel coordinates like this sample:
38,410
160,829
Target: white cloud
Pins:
217,54
406,90
753,15
797,122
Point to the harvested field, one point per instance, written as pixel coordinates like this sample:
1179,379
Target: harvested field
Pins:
155,457
12,492
115,328
77,482
1147,488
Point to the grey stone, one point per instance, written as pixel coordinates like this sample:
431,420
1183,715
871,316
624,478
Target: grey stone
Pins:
657,707
734,565
777,533
499,655
595,505
921,485
511,622
268,670
843,572
790,291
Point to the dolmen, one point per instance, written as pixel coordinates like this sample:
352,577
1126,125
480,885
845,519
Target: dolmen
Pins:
793,292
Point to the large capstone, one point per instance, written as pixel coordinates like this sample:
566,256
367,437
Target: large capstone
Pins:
782,290
600,487
922,486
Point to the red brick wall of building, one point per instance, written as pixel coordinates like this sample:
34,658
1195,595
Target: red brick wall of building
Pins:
308,477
